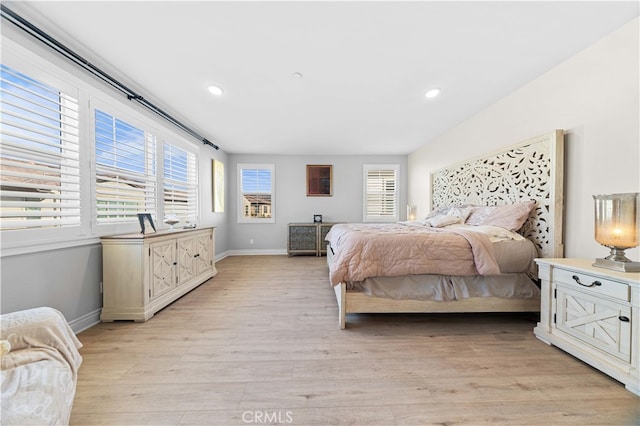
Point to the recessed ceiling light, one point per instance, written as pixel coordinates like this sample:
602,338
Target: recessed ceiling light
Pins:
432,93
215,90
297,75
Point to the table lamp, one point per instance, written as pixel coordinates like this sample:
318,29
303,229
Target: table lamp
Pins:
617,227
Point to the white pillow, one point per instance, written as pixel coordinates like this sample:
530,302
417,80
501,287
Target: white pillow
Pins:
443,220
456,211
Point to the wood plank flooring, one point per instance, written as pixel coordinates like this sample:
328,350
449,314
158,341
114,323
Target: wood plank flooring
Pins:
260,344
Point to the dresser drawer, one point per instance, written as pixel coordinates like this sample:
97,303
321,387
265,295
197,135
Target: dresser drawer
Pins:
594,284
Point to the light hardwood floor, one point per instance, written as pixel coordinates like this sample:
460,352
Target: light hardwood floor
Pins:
259,344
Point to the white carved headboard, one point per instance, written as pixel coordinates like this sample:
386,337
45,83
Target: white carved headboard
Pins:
530,170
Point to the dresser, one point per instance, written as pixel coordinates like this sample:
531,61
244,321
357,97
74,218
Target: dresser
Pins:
593,314
307,238
144,273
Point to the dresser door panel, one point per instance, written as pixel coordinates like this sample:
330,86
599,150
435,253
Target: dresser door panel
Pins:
601,323
204,255
187,249
303,238
163,258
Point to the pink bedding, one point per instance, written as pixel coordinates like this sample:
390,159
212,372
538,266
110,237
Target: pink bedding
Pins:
370,250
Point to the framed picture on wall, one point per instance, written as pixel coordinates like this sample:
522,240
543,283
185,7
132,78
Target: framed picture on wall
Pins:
217,186
319,180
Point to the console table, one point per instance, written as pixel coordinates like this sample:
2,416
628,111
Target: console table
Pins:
144,273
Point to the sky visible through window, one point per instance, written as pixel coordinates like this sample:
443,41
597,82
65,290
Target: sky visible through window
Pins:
119,144
256,181
34,109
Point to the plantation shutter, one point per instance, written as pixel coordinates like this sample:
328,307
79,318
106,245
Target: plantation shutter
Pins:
125,170
180,183
381,193
39,156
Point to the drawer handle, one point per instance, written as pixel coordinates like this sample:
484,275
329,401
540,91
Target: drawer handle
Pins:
593,284
623,318
197,255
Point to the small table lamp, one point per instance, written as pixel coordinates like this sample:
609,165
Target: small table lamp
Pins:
617,227
411,212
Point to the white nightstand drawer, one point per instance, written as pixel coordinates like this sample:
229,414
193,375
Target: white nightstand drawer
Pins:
597,285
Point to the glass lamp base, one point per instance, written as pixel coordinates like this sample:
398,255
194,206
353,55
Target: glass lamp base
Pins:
617,265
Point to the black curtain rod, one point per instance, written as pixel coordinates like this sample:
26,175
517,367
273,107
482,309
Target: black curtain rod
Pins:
43,37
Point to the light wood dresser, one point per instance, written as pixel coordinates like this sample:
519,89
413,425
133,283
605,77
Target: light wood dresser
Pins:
593,314
144,273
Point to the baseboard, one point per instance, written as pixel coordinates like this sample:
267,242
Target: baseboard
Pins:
85,321
220,256
258,252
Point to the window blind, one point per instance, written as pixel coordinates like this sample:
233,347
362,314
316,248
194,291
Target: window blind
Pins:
125,170
381,193
180,183
40,154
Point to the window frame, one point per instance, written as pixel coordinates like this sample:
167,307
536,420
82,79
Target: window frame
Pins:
396,193
240,206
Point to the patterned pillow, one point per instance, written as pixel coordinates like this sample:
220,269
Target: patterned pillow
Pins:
443,220
508,216
462,211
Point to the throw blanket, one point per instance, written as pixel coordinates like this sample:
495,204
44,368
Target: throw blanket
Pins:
39,373
375,250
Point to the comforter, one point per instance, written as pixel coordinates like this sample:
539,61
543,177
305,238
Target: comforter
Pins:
361,251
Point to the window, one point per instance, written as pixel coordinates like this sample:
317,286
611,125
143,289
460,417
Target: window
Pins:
40,157
125,170
381,192
74,165
180,183
256,193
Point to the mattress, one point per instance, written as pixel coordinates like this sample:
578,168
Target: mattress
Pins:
516,280
444,288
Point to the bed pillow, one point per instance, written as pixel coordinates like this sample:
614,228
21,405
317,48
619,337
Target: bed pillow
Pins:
458,211
442,220
449,215
509,216
438,211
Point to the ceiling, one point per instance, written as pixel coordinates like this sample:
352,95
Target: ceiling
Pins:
325,77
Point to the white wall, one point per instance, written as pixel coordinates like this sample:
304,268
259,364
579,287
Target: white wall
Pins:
292,203
594,98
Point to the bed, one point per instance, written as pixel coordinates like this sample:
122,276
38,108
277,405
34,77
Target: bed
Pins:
491,216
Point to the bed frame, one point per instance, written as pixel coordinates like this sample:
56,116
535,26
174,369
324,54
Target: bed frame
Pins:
530,170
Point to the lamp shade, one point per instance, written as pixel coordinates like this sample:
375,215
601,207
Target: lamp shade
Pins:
411,212
617,220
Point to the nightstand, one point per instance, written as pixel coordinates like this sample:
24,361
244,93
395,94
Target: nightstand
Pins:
308,238
592,313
